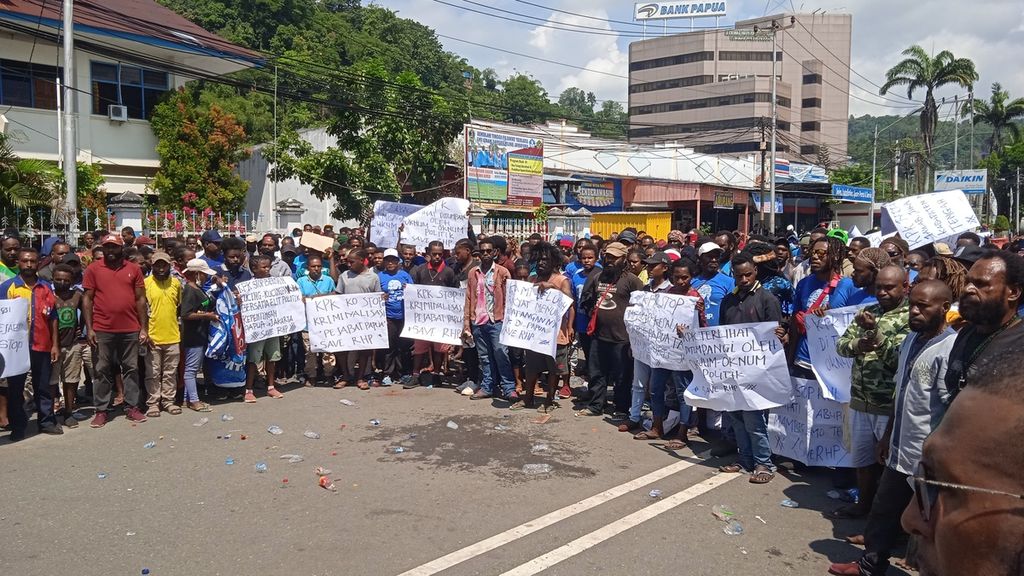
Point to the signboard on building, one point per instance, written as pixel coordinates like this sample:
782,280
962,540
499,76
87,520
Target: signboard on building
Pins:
970,181
724,200
662,10
748,35
595,194
503,168
761,205
845,193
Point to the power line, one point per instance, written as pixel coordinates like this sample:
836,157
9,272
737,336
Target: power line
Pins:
611,21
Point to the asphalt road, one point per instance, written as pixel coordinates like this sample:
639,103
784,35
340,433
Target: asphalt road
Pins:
454,501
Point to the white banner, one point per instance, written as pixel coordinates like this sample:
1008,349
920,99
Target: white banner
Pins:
387,217
270,307
532,320
928,218
809,429
346,322
14,343
831,369
434,313
737,367
651,320
444,220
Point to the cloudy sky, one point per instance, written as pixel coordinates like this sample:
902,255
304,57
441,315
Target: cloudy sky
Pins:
990,32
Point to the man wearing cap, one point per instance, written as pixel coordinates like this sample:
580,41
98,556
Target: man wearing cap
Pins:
605,298
117,324
314,285
163,294
711,284
211,250
251,244
394,361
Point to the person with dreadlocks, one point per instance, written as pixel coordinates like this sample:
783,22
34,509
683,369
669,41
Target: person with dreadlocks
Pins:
951,273
814,292
859,288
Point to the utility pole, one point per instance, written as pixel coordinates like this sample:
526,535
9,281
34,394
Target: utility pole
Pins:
874,165
956,132
1016,204
896,173
273,181
775,111
68,152
763,147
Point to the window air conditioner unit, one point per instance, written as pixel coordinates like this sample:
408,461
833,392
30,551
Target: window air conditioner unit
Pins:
117,112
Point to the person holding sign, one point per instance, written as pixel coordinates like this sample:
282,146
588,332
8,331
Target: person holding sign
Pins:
873,341
814,292
267,351
428,358
711,283
750,302
485,311
920,403
313,285
44,347
358,279
546,258
646,378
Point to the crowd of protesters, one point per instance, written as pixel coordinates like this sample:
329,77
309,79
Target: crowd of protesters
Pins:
122,323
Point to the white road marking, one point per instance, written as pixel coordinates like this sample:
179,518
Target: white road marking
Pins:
482,547
594,538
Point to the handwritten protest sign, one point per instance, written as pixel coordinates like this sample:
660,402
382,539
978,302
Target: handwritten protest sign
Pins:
651,320
14,337
316,241
831,369
444,220
271,307
532,319
928,218
737,367
345,322
810,428
434,313
387,217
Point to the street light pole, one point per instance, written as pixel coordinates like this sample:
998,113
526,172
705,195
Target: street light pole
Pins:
775,127
69,151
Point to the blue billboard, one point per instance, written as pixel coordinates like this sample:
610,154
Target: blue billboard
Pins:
845,193
595,194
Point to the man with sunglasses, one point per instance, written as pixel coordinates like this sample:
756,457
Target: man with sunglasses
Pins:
920,402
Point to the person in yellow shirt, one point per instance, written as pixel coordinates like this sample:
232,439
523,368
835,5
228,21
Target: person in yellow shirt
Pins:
163,294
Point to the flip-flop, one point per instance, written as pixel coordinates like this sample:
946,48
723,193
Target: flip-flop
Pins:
675,444
645,435
174,410
762,476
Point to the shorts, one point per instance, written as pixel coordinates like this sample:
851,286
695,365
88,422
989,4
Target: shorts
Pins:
68,368
268,350
516,357
420,347
865,432
537,363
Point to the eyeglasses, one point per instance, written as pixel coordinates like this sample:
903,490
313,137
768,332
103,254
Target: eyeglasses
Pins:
819,253
926,491
487,250
894,253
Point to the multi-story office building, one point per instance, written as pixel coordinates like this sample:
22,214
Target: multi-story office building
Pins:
711,89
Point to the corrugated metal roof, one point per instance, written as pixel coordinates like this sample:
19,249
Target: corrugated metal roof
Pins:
138,19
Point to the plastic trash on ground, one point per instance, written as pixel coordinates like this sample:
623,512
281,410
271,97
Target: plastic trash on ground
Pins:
722,512
347,402
326,483
201,422
321,471
733,528
229,461
226,417
292,458
537,469
539,447
654,493
374,422
311,435
149,444
452,425
275,429
787,503
261,467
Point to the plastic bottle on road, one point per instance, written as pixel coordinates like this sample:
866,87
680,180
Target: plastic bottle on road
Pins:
149,444
311,435
654,493
261,467
733,528
787,503
722,512
537,469
275,430
226,417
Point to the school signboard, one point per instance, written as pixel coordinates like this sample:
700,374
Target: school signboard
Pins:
503,168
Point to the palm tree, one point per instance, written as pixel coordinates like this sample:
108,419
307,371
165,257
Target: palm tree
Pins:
921,71
25,182
999,112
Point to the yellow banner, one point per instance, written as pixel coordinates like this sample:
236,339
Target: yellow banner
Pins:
519,165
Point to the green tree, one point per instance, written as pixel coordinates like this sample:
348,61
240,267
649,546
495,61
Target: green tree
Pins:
25,182
576,103
524,101
611,121
919,71
199,149
999,112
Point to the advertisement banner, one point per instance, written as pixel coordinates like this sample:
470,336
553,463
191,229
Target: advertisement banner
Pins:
970,181
595,194
503,168
724,200
928,218
845,193
662,10
761,204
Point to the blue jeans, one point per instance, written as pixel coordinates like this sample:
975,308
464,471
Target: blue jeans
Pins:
40,365
493,358
193,363
681,380
653,379
751,428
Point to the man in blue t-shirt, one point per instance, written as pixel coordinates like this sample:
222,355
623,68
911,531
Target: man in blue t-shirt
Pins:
314,285
396,360
711,284
819,290
859,289
587,258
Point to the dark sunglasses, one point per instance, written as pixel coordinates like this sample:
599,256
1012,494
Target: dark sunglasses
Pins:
926,491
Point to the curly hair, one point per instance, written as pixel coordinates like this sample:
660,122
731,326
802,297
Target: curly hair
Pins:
546,249
836,253
951,272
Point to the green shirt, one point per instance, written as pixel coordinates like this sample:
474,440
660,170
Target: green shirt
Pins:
873,379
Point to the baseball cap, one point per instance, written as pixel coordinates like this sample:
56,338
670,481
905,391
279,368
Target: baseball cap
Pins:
113,239
708,247
289,250
942,249
673,254
211,236
627,237
616,249
252,238
161,255
145,241
199,265
968,255
391,253
658,258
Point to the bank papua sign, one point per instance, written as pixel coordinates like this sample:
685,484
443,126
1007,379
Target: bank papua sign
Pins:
970,181
661,10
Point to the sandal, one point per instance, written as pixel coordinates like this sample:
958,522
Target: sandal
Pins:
340,384
628,426
731,469
154,412
646,435
761,475
362,385
249,397
199,407
548,408
173,410
274,393
675,444
520,405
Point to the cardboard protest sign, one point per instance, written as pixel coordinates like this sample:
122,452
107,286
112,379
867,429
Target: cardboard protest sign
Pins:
14,337
271,307
928,218
316,241
434,313
810,428
737,367
387,217
346,322
651,321
831,369
532,319
444,220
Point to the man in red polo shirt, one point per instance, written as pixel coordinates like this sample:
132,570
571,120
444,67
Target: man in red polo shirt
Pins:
115,317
